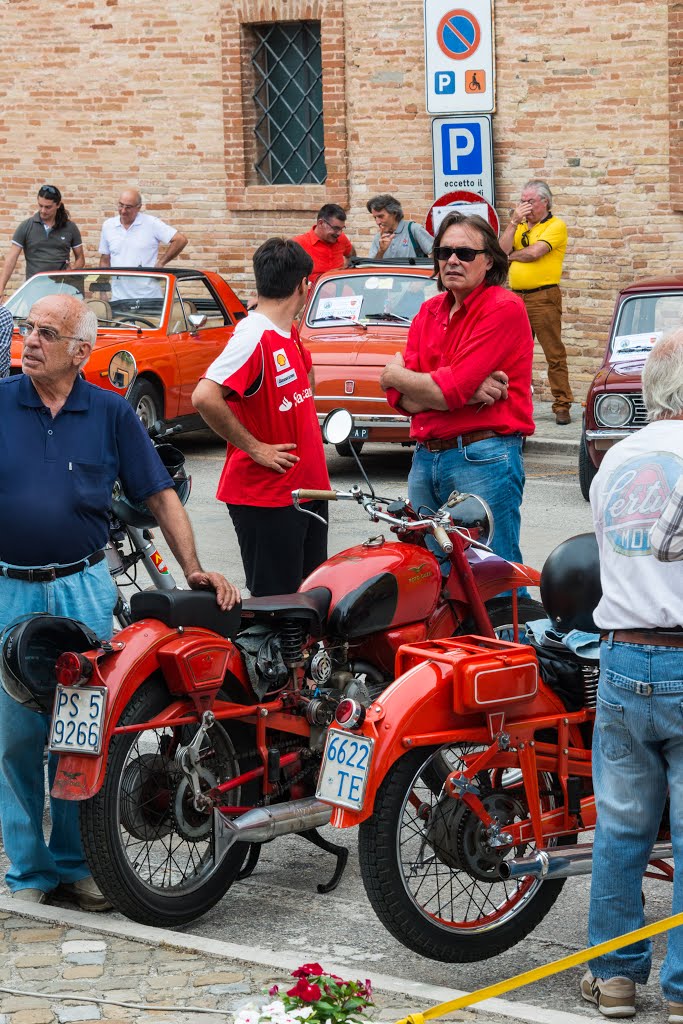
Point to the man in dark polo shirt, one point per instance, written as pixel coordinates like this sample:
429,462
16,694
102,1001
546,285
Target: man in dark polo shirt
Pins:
46,239
63,443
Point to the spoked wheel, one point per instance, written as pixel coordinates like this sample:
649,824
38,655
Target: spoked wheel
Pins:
430,871
149,849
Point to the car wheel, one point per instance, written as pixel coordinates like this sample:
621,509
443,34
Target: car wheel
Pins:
344,448
147,401
586,468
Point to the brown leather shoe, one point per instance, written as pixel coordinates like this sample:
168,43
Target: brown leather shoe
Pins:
85,893
563,417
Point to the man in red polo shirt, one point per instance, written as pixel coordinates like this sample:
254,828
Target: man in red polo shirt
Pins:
326,243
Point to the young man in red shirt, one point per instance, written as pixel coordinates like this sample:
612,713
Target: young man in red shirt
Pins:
326,243
258,395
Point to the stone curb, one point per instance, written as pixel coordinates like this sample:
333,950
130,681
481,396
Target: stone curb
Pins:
417,995
552,446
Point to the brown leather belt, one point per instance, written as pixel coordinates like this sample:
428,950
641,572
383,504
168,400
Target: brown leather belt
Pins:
650,637
438,445
528,291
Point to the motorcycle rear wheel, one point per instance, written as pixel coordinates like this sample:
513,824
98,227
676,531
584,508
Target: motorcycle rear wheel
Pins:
149,850
430,876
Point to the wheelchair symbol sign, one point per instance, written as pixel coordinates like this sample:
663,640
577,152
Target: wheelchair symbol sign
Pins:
458,34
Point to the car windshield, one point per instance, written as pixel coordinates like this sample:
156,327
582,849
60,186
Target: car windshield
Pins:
118,300
642,320
369,298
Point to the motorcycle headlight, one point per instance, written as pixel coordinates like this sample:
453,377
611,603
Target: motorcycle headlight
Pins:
613,410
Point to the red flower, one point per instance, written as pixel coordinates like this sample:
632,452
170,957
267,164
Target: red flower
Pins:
306,969
274,990
302,990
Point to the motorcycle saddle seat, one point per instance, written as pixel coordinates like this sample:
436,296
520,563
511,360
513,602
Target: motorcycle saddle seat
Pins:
311,607
186,608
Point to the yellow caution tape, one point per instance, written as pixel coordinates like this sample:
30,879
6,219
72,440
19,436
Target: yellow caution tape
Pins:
545,971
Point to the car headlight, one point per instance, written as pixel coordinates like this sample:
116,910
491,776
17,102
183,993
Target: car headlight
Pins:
613,410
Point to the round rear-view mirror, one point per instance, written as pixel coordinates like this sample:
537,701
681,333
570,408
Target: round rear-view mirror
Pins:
122,370
337,426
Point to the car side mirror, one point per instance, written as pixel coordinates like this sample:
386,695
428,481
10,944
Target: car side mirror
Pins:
197,321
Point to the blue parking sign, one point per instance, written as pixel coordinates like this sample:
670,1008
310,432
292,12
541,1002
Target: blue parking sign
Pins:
461,148
444,83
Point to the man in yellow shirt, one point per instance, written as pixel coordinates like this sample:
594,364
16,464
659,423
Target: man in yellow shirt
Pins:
536,242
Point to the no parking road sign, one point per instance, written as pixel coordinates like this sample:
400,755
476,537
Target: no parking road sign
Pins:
459,56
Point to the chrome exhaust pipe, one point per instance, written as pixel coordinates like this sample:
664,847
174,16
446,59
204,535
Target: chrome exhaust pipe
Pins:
265,823
564,862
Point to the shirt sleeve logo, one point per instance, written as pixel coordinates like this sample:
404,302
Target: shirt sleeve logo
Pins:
281,360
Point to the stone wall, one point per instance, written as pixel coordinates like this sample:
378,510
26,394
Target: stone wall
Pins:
120,92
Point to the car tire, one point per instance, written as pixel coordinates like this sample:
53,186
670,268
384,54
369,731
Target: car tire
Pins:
344,449
587,470
147,401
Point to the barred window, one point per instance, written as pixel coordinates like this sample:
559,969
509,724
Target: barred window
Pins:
288,101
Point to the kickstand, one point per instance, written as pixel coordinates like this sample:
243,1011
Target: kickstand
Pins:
341,853
250,861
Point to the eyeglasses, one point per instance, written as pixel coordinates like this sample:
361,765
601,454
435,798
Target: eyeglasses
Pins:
463,252
46,334
525,239
129,206
333,227
50,192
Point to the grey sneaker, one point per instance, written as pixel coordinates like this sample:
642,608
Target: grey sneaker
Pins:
86,893
615,997
30,895
675,1013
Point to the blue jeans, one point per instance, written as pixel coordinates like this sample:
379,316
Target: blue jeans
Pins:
90,597
492,469
637,754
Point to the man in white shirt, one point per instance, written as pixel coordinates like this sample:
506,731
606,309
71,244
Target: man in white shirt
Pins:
638,735
132,239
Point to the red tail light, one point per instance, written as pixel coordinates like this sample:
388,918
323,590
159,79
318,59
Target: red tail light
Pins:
350,713
72,669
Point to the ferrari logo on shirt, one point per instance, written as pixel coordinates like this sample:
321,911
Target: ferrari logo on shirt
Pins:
281,360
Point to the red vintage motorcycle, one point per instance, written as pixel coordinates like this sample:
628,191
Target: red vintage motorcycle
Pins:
470,778
196,735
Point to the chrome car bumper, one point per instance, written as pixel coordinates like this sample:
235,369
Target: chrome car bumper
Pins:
377,421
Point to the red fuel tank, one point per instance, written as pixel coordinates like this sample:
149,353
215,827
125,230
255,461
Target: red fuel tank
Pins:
378,585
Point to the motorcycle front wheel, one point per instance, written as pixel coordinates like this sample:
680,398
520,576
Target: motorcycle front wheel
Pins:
149,850
428,871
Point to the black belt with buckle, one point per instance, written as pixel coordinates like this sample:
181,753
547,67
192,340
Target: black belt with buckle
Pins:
528,291
52,572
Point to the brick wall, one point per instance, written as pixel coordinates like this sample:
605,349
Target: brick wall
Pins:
117,92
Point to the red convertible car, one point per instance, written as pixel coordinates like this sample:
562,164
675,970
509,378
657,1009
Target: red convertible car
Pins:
644,312
173,321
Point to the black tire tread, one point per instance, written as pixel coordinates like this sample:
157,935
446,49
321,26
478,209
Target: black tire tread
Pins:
108,872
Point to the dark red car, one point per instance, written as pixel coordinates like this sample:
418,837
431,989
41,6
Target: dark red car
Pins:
644,312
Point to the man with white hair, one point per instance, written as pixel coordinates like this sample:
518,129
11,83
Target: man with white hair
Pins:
638,736
536,241
64,443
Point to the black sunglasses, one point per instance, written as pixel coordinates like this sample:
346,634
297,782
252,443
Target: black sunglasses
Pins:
50,192
463,252
525,239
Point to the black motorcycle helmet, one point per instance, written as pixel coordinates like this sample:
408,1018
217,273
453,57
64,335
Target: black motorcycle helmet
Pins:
137,513
28,652
471,512
570,584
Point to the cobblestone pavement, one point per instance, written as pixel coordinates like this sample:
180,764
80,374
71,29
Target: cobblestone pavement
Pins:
49,955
